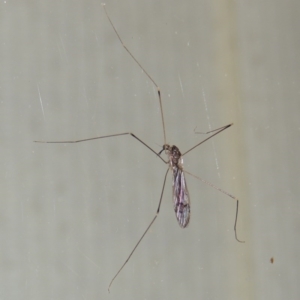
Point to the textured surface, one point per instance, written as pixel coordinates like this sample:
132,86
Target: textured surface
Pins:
70,214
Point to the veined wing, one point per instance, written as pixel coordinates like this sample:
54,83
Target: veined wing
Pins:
181,198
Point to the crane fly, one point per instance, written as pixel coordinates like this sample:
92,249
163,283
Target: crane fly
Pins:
181,198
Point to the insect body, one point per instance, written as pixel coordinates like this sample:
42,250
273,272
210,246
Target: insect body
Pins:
181,197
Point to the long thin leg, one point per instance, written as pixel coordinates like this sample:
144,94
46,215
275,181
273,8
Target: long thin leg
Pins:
157,212
157,87
101,137
199,132
222,191
218,131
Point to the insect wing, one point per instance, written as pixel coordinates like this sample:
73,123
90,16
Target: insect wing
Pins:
181,198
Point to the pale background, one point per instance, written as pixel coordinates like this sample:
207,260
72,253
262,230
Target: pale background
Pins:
71,214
